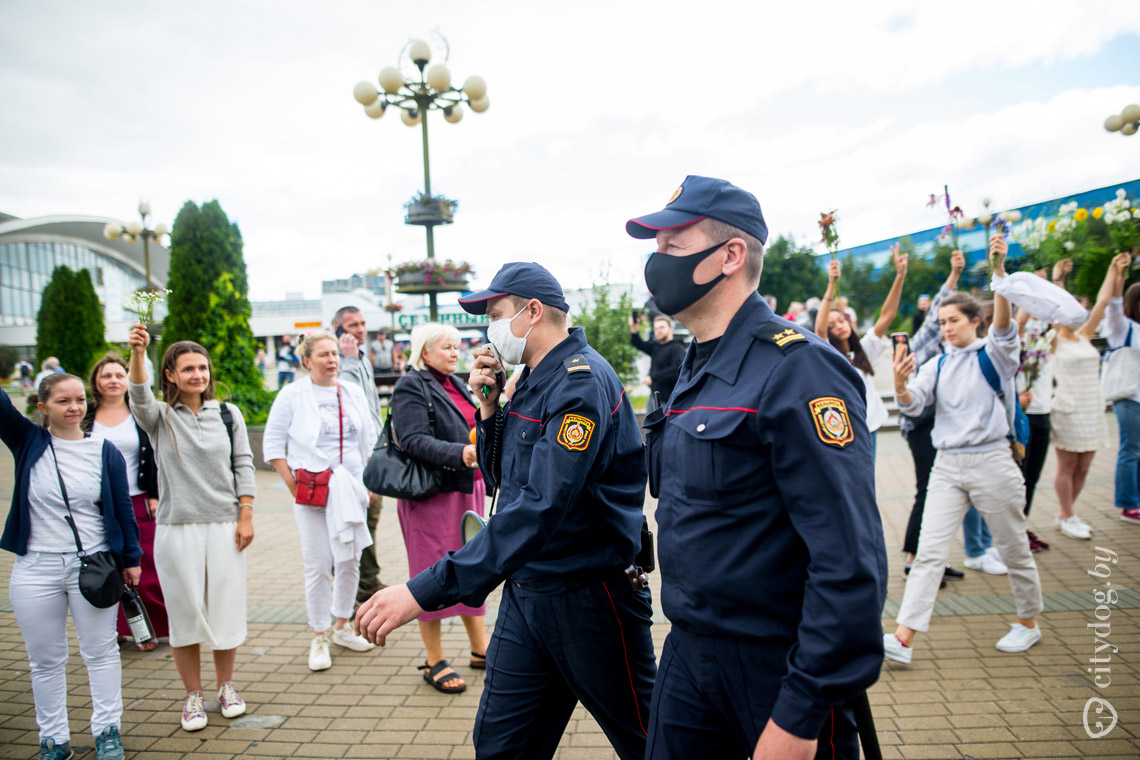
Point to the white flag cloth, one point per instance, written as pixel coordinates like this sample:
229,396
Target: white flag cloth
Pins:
1041,298
345,515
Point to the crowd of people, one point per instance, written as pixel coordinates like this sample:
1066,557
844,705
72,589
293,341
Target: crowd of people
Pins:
759,445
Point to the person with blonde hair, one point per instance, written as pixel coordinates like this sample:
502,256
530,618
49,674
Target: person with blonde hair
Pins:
318,425
433,415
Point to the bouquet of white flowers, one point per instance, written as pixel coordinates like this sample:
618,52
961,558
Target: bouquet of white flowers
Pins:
143,301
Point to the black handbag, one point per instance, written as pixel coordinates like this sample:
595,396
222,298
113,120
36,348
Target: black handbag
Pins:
100,577
393,472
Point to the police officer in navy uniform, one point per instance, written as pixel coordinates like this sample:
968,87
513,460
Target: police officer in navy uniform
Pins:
568,458
773,567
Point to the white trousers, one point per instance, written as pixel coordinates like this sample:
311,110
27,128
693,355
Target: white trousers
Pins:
329,587
993,483
42,588
203,582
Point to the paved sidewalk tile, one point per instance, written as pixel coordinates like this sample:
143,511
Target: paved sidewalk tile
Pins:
959,698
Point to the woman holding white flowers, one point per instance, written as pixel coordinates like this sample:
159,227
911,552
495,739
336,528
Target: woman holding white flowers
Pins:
204,518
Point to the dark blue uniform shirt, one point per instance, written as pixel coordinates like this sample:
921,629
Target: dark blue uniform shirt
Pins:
767,520
573,483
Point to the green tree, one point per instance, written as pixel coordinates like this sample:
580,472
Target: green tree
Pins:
204,244
9,355
228,338
791,273
209,302
69,325
605,320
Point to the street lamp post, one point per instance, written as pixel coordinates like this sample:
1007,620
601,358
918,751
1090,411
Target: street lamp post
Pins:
133,231
415,97
1127,122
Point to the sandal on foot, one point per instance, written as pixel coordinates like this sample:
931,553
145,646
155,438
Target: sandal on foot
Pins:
440,684
478,661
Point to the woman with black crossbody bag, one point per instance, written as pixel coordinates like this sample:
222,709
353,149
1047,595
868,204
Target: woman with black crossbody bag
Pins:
73,528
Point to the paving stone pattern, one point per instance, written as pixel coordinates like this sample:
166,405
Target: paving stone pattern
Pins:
959,699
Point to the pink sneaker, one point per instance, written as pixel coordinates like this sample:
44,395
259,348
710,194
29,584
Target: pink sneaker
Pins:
1130,515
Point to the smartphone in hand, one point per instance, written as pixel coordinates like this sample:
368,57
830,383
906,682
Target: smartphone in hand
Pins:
900,339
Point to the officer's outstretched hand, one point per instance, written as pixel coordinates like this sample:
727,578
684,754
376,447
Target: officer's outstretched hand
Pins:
388,609
482,379
777,744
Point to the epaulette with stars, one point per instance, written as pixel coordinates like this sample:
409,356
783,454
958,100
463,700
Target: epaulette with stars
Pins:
783,337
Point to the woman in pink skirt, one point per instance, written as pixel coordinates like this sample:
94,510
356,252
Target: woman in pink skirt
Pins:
432,418
109,416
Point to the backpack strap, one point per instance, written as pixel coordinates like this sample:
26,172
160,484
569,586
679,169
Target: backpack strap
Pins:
990,372
228,419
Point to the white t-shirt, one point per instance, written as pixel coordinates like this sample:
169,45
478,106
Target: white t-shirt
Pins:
81,466
329,439
874,346
126,439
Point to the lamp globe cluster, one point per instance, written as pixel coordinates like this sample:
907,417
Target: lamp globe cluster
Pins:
133,231
433,90
1127,122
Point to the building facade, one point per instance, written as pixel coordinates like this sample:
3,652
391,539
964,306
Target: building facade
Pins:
31,249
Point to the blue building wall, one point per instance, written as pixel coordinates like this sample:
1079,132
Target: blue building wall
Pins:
973,242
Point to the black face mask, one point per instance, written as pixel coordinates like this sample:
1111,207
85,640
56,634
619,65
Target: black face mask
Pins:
670,279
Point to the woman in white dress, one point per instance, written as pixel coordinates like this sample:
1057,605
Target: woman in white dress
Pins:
836,327
1079,427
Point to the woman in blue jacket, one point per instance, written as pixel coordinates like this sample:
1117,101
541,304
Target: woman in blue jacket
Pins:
60,473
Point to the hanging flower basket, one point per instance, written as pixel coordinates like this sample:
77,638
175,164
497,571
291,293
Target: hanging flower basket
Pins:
432,276
431,210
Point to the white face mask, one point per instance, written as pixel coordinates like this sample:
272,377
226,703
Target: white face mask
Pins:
509,346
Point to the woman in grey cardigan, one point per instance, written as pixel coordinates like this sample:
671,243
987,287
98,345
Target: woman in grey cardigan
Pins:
205,515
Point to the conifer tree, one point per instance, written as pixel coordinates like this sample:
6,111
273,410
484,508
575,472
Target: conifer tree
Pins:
70,323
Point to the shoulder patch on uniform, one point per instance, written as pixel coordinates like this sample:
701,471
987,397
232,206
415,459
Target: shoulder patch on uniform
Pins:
575,432
576,363
831,421
779,334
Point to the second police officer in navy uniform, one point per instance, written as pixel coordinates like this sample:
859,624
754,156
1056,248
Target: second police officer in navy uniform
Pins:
573,626
773,566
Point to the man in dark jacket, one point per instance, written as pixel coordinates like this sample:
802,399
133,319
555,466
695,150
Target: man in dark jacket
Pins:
666,355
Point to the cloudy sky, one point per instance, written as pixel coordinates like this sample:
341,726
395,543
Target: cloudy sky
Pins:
598,111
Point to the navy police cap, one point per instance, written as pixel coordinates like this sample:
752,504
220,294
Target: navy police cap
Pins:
700,197
519,278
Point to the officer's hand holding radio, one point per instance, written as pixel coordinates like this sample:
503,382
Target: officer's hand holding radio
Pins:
486,380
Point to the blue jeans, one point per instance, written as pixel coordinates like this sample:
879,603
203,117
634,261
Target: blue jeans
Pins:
975,534
1128,455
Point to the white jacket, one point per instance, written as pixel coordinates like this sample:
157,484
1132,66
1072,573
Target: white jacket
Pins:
294,425
968,415
1118,327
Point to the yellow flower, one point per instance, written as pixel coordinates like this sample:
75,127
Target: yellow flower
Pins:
1098,212
1081,215
1052,226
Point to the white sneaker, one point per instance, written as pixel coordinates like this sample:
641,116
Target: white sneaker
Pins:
1074,527
346,638
319,657
988,564
230,701
1019,638
893,649
194,712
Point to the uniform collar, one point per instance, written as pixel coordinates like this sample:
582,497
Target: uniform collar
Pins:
569,346
725,362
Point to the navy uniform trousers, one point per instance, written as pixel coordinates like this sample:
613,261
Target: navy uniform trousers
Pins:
558,642
713,698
